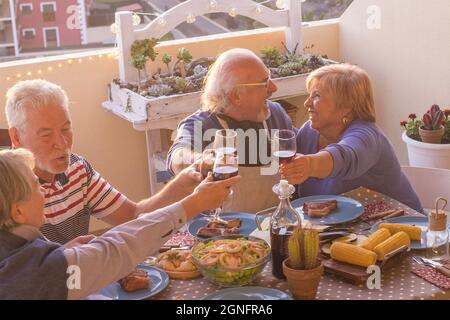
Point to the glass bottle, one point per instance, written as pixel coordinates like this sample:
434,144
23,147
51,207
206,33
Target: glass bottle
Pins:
282,223
438,234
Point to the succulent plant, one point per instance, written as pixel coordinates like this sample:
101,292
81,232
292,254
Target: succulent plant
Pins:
433,119
180,84
158,90
303,249
166,59
271,57
184,55
141,51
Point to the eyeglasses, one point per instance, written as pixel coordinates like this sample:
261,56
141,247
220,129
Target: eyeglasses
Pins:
255,84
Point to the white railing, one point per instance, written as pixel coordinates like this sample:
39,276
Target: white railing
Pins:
290,17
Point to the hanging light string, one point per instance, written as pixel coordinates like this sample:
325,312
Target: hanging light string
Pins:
191,18
57,65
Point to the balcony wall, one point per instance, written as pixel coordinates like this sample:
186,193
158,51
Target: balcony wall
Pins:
115,149
407,58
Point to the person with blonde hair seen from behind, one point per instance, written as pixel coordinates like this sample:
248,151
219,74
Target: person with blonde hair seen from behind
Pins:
38,117
32,267
341,146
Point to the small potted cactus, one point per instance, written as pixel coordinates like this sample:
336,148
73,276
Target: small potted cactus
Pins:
432,129
302,268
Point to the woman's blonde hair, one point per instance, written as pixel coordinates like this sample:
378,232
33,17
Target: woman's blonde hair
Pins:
35,93
349,85
15,186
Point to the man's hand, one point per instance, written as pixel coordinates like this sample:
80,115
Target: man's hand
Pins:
296,171
78,241
186,181
206,163
208,195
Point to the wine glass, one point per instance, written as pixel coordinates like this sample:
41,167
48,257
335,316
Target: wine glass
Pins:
225,166
284,146
225,141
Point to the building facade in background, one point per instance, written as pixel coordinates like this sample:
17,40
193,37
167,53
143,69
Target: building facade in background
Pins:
39,25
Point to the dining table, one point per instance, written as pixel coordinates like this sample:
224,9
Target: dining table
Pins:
398,282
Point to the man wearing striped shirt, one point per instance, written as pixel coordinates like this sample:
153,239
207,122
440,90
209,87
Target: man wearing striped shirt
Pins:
39,120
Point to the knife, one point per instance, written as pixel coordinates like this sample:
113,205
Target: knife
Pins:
438,266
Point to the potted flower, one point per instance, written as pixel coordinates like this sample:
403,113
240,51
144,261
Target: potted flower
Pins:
302,268
432,129
428,139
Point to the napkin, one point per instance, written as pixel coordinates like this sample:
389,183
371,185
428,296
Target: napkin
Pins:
432,275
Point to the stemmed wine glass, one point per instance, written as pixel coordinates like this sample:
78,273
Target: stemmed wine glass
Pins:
284,146
226,160
225,141
225,166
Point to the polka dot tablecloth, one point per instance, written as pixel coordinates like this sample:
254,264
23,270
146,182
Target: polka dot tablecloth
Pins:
397,281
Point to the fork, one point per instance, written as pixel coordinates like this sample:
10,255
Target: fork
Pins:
432,264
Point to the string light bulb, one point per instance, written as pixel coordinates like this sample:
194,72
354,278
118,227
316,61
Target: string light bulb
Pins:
29,73
50,68
19,75
190,18
162,22
136,20
59,65
213,5
233,12
70,61
8,78
39,71
280,4
90,58
80,60
113,28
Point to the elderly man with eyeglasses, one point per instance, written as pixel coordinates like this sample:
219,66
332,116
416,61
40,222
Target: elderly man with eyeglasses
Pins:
235,96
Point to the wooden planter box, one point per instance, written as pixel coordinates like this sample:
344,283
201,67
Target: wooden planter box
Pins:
154,113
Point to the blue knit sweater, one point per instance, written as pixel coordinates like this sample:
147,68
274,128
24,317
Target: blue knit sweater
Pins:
34,269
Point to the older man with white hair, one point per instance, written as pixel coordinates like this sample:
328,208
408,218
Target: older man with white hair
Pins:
39,120
235,96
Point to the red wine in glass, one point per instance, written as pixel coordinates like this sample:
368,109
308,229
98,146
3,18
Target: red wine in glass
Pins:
284,155
225,172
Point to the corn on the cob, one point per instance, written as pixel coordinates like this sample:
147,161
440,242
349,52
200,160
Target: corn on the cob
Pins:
352,254
393,242
375,238
414,233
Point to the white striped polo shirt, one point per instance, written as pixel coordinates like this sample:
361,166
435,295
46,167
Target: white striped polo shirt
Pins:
73,197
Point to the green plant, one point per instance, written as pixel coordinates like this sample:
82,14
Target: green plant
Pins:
141,52
166,59
271,57
447,125
303,249
412,126
431,120
184,57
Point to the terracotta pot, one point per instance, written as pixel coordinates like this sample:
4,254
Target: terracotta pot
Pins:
303,284
432,136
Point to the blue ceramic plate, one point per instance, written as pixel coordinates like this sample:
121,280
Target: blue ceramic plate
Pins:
158,282
347,209
421,222
247,227
248,293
